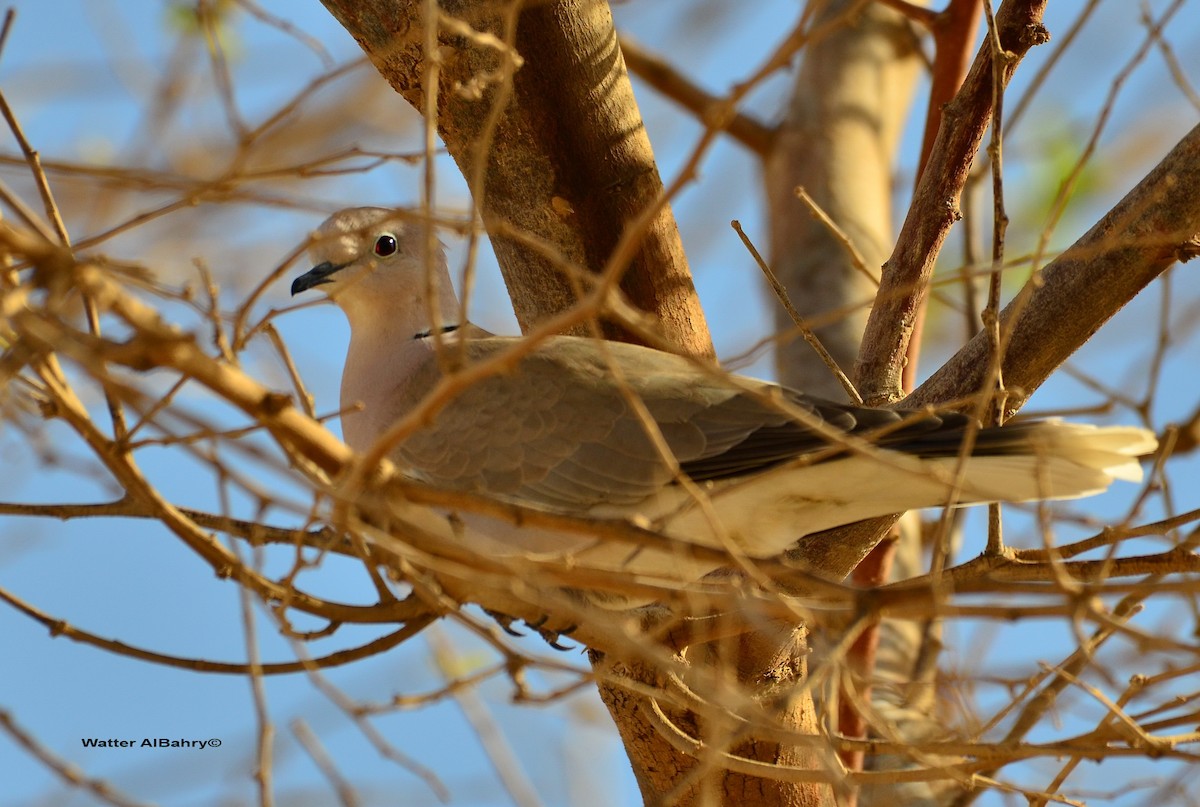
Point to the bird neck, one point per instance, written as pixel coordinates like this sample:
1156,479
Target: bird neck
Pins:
388,316
381,362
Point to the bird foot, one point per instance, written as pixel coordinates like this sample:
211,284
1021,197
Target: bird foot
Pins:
552,637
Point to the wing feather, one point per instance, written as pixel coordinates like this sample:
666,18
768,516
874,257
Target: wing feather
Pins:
558,430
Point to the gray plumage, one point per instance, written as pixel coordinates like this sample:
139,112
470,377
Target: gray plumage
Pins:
557,431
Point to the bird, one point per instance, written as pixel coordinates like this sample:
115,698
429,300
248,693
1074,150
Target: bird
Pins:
609,430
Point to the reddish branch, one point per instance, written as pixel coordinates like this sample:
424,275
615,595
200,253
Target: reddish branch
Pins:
954,31
953,37
872,573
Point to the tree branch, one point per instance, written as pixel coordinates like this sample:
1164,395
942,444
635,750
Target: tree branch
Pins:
421,618
934,208
1156,225
663,77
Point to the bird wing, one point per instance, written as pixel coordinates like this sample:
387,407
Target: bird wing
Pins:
559,429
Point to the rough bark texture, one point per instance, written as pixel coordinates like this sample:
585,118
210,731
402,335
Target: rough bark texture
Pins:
666,776
838,141
564,157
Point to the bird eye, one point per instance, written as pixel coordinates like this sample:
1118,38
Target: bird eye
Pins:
385,245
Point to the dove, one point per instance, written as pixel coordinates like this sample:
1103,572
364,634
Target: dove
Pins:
609,430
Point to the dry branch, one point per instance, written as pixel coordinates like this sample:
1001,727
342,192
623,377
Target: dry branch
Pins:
837,141
1155,226
559,163
934,209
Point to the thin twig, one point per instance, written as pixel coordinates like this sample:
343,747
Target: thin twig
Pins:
265,739
805,331
309,741
841,236
59,627
505,763
63,769
662,76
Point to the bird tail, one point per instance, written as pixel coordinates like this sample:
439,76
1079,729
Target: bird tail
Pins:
1051,459
1020,462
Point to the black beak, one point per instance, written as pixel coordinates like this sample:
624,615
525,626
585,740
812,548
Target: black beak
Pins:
315,277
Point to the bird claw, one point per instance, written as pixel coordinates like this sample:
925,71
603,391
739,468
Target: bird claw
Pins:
552,637
505,622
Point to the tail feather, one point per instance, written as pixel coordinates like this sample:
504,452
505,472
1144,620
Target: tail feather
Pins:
1026,478
1056,461
1114,450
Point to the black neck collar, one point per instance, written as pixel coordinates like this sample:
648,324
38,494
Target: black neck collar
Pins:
428,333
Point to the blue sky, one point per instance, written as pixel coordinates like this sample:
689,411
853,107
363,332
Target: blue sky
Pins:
77,72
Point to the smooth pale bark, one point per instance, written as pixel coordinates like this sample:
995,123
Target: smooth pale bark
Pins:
838,141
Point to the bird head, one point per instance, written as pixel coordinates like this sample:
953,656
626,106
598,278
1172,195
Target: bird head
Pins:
368,257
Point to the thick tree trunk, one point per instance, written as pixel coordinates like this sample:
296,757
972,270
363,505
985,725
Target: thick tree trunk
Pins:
771,665
542,122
